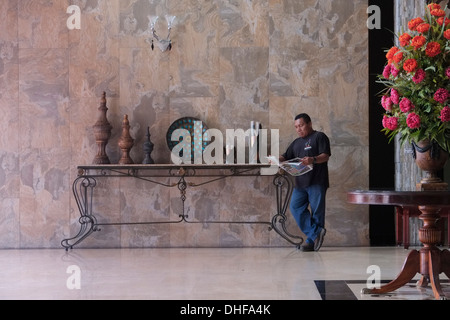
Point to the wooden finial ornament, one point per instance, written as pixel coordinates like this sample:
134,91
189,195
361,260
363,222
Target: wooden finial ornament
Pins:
126,142
102,132
148,148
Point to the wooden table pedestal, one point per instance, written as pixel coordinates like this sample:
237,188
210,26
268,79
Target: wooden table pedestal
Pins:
429,261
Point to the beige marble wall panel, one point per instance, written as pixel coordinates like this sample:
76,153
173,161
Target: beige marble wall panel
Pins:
142,71
297,28
253,200
9,119
290,75
244,85
94,50
144,201
9,111
348,171
44,196
43,24
9,20
9,93
342,23
206,109
9,175
344,90
9,223
244,23
43,98
134,22
194,59
45,145
192,235
145,236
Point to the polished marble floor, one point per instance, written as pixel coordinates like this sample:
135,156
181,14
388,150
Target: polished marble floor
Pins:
203,274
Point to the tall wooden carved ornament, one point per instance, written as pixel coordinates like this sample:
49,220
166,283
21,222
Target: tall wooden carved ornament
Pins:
126,142
102,132
148,148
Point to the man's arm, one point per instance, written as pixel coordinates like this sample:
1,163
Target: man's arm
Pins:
321,158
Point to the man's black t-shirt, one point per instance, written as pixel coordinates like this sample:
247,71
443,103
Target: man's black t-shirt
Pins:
311,146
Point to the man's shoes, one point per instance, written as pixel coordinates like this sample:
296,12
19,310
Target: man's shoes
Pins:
306,247
319,240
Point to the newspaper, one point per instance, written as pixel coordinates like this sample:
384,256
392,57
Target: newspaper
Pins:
294,167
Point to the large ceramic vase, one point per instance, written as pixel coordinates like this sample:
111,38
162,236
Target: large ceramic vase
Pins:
431,159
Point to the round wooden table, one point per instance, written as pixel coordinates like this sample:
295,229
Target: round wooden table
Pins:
429,261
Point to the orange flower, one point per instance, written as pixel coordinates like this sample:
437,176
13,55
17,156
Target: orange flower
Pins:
394,55
447,34
423,28
410,65
434,6
438,12
412,25
418,41
440,21
405,39
433,49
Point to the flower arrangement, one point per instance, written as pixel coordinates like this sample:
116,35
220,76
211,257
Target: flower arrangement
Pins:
416,99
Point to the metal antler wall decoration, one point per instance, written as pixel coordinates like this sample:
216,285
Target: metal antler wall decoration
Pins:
163,44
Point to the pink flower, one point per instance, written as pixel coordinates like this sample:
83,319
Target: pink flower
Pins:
394,71
419,76
413,121
406,105
445,114
447,72
387,71
386,102
441,95
395,98
390,123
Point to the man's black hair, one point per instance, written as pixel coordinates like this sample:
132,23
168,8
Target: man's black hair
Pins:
303,116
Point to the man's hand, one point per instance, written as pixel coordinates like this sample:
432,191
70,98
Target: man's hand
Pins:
307,161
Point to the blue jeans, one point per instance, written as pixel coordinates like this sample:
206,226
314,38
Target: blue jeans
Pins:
303,200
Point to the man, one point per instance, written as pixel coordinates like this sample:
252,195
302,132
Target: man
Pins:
313,147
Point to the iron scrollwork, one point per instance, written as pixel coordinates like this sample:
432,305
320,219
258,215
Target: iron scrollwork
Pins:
85,183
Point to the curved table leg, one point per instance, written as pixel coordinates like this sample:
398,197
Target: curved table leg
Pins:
83,188
409,270
435,264
283,199
423,282
445,262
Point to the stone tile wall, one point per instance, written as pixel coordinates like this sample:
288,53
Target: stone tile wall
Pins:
231,62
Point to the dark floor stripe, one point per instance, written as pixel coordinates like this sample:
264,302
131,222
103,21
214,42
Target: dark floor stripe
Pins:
339,289
334,290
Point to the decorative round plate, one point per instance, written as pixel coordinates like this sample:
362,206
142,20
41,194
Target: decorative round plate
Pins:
188,123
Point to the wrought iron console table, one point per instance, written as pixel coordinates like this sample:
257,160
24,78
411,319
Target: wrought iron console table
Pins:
85,183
